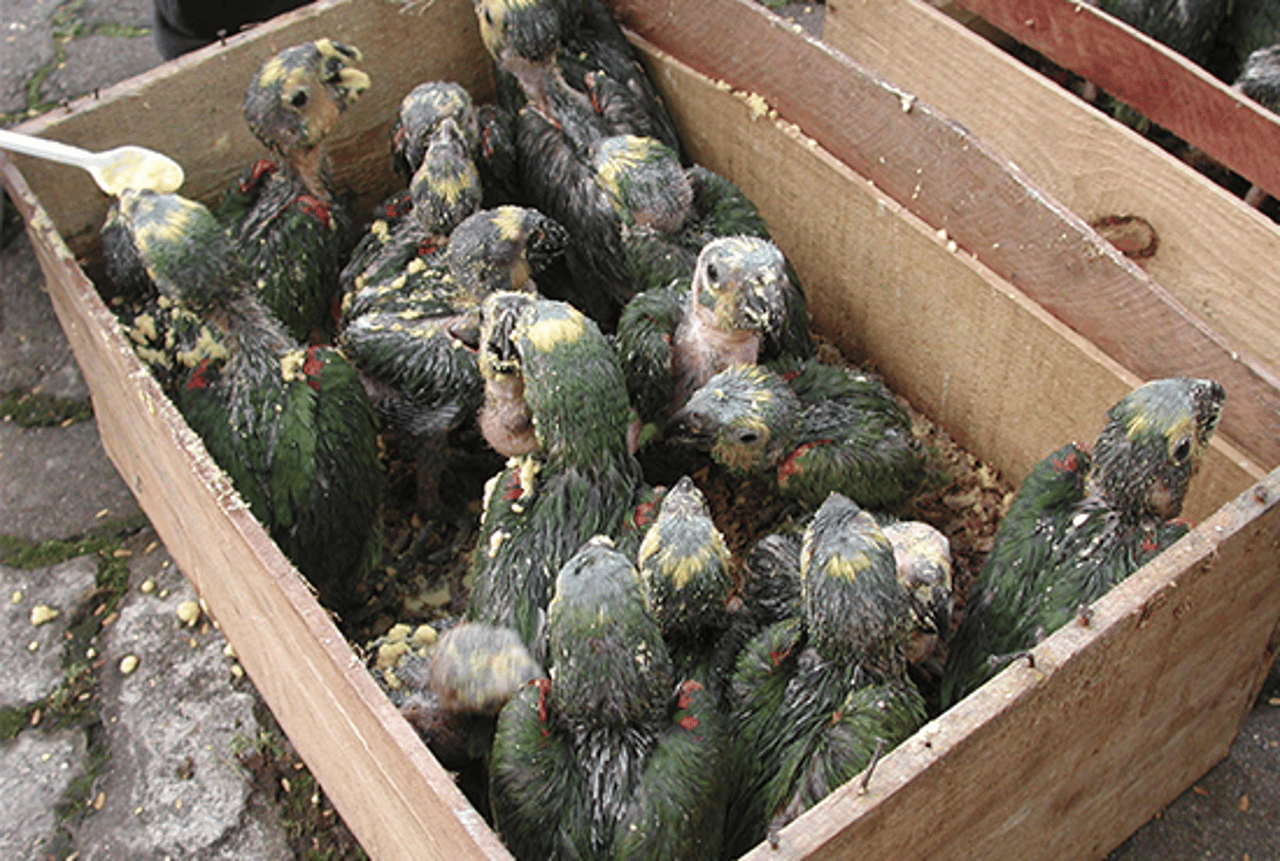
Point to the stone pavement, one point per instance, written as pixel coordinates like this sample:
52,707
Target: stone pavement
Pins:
126,729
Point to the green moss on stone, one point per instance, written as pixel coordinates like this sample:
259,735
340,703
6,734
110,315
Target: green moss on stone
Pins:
36,409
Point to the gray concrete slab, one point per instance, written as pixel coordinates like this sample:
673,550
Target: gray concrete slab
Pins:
37,606
58,482
35,770
132,54
26,46
175,787
34,353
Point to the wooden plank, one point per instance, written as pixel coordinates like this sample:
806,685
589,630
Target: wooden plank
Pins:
1065,759
1159,83
1008,381
1214,253
958,184
394,796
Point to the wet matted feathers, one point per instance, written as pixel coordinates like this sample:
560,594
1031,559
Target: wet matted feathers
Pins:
1083,521
824,428
414,337
290,424
816,694
738,305
581,43
580,478
292,228
688,575
614,756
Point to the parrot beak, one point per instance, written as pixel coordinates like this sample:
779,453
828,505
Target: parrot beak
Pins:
688,427
764,305
496,335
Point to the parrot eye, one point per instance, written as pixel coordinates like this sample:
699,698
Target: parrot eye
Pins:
747,437
1182,450
713,274
298,99
488,17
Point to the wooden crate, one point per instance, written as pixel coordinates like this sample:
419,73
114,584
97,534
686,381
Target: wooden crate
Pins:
1214,253
1063,760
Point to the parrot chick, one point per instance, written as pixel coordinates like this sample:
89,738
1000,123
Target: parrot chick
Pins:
923,557
848,434
291,425
450,686
687,572
579,479
284,213
613,756
739,307
414,338
487,131
818,694
1081,522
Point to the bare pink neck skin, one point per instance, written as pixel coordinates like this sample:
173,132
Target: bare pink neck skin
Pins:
504,419
702,349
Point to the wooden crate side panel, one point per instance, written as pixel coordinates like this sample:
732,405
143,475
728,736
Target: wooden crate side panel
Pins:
957,184
1214,250
1066,759
1161,84
972,353
393,795
175,109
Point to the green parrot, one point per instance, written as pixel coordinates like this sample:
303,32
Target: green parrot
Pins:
657,214
738,306
570,78
823,428
770,588
290,424
450,685
488,131
817,694
1081,522
414,337
284,214
688,575
922,554
562,395
614,756
579,43
443,192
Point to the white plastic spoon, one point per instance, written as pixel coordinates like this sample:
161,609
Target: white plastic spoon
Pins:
114,170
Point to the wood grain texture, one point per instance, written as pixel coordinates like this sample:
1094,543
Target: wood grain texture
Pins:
1215,253
1009,381
1004,376
1165,87
958,184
